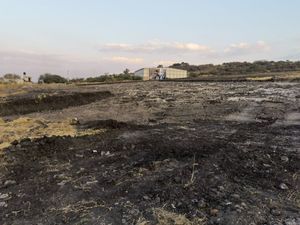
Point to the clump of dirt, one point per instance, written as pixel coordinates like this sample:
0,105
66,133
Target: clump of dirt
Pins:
108,124
42,102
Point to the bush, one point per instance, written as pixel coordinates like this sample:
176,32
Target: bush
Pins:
11,76
113,78
52,78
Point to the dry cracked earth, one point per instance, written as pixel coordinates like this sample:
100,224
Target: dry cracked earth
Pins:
169,153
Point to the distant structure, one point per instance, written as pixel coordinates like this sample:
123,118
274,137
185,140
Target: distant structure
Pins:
16,79
160,73
26,78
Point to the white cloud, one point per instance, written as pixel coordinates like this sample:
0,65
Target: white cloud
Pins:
156,46
165,62
245,48
122,59
35,64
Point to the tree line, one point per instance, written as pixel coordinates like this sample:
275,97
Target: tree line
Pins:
52,78
238,68
232,68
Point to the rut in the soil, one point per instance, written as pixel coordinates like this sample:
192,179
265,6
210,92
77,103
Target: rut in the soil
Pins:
45,102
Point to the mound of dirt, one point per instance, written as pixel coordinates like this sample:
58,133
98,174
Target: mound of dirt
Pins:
43,102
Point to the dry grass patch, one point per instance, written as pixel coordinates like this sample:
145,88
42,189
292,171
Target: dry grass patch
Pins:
260,78
169,218
11,89
36,128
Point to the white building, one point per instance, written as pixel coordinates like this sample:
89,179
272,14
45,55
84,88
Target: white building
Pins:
159,73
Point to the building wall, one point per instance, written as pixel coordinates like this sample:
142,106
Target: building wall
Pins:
140,73
149,73
175,73
144,73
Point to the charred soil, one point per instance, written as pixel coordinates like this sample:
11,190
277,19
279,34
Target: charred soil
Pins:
201,157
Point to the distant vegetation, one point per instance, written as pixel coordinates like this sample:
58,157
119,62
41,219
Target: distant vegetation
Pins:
12,76
238,68
52,78
113,78
125,76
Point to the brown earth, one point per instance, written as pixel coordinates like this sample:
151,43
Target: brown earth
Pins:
171,153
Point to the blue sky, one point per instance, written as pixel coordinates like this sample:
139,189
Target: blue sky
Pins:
84,38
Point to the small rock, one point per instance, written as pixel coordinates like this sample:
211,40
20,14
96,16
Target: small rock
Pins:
201,204
104,153
267,165
74,121
228,203
146,197
9,182
214,212
244,205
284,159
177,179
275,212
195,201
238,207
236,196
62,183
283,186
239,210
95,151
157,199
4,196
221,188
79,155
3,204
15,142
292,221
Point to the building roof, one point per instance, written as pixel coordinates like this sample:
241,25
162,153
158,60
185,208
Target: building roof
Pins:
158,68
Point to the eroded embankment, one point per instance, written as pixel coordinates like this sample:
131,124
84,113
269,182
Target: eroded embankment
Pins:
44,102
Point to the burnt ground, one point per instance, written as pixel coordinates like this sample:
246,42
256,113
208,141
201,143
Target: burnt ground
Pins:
172,153
39,102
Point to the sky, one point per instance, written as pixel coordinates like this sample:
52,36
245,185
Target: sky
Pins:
80,38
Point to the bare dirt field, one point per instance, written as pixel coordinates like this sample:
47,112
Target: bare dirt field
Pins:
151,153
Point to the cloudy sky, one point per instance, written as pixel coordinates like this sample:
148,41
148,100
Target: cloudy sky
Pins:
85,38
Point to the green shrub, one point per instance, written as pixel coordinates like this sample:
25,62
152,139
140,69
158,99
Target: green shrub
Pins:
51,78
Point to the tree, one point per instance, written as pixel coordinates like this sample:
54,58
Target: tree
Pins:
11,76
126,71
52,78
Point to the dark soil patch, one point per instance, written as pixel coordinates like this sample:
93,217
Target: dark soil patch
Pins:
44,102
104,124
120,176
